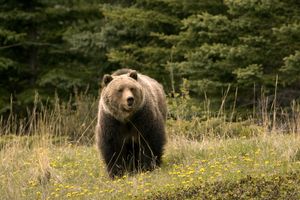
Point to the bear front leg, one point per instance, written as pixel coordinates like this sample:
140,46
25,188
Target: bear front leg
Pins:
113,155
150,126
110,144
148,155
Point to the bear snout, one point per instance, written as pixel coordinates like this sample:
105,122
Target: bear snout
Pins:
130,101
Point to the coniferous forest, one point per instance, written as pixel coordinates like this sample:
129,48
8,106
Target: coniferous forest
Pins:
213,48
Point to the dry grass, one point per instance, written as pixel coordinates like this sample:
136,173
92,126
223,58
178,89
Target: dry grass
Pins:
48,171
51,156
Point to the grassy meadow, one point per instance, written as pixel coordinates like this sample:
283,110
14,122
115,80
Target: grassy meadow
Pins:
205,158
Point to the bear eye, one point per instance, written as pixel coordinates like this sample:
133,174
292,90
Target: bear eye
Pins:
132,89
120,90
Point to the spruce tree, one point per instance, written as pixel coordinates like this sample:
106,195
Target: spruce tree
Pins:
46,47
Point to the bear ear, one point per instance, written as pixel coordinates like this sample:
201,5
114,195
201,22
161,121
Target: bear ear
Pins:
133,74
106,79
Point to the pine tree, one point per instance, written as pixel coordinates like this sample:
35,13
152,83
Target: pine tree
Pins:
56,46
247,45
41,49
130,36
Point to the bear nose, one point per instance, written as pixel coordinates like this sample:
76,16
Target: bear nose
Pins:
130,101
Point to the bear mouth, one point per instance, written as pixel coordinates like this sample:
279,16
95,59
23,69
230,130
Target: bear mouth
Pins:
127,109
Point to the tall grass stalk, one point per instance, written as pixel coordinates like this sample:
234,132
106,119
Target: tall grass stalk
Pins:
62,121
42,156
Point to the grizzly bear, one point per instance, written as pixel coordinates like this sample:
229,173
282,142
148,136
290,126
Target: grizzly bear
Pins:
130,131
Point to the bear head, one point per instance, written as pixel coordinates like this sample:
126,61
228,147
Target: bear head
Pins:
122,95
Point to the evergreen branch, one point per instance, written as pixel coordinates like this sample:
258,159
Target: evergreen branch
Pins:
29,43
10,46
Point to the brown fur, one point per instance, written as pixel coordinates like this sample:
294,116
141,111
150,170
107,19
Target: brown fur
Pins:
131,139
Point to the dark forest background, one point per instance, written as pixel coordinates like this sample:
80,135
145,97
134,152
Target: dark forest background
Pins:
211,48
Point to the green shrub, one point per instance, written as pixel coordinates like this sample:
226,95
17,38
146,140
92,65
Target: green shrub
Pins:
274,187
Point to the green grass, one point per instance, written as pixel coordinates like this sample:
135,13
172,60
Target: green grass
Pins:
255,167
208,155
